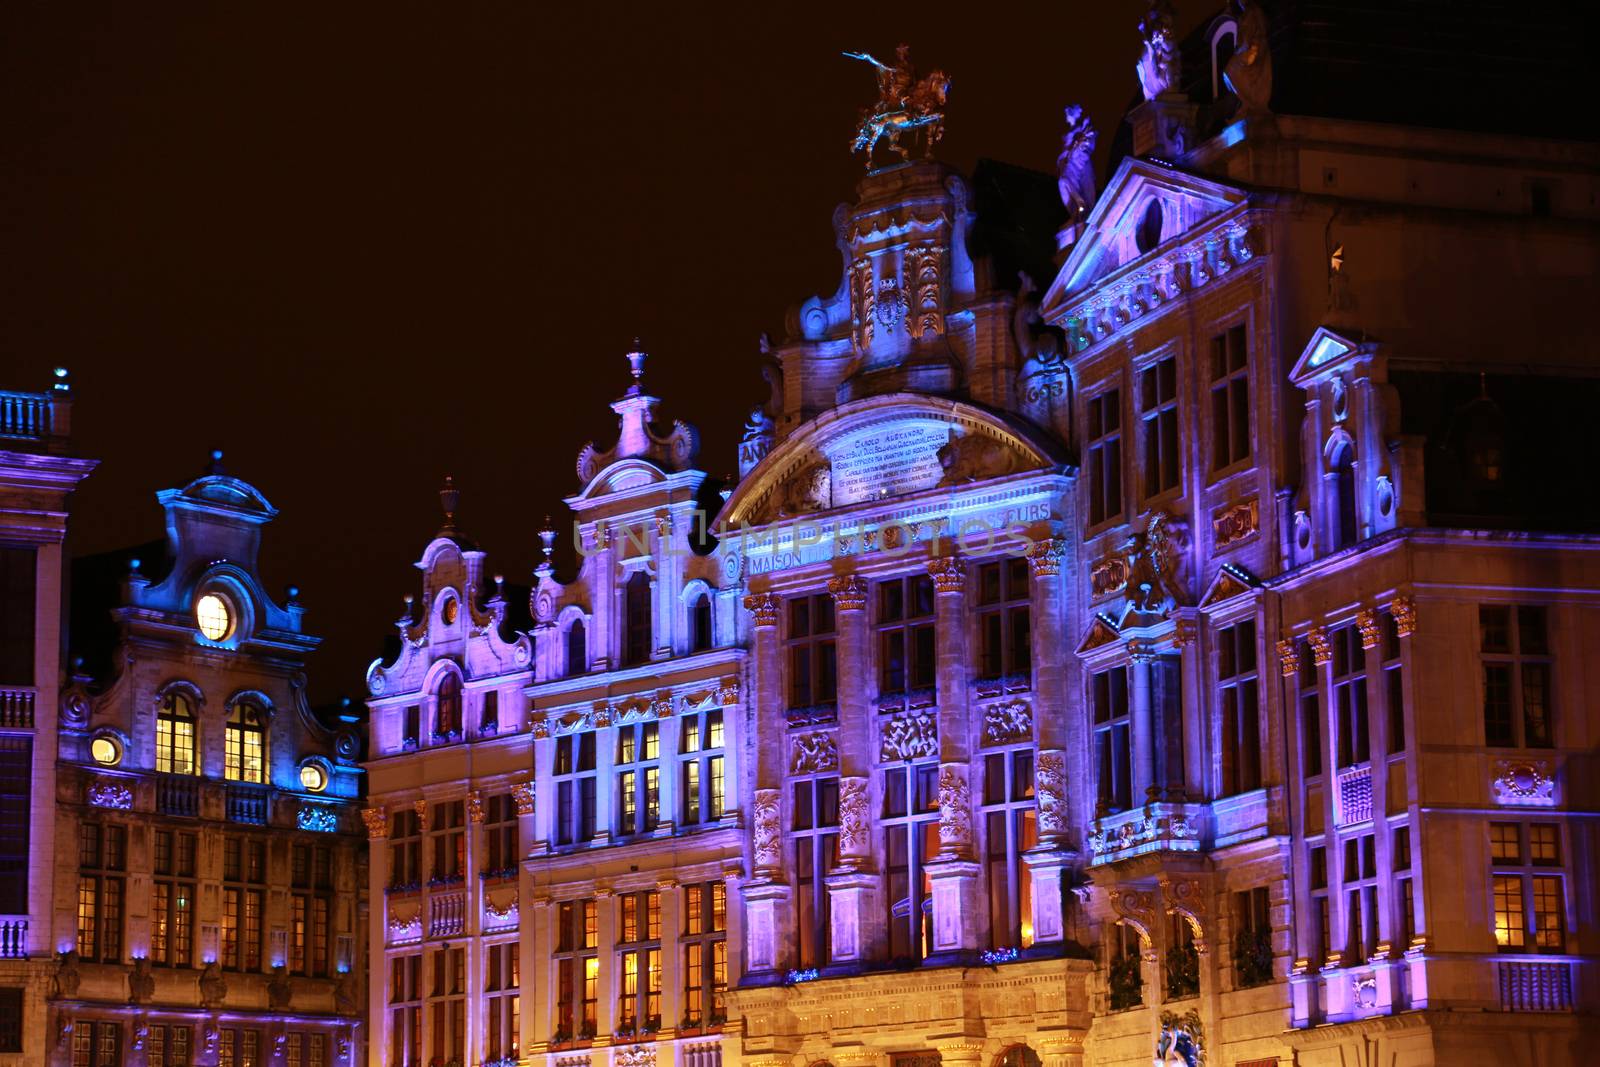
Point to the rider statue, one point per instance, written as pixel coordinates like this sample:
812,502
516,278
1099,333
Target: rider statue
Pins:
904,105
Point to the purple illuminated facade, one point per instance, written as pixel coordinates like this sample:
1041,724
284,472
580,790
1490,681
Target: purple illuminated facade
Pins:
201,900
1138,630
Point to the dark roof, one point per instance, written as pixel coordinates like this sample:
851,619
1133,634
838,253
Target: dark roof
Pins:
1485,66
1019,211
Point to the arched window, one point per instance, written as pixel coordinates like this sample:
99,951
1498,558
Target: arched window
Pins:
577,649
636,616
244,756
1344,476
700,624
175,735
447,715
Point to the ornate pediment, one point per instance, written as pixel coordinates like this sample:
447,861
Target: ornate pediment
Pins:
1231,581
1102,631
881,447
1326,353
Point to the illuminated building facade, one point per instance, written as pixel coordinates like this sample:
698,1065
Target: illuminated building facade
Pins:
37,476
1156,661
207,843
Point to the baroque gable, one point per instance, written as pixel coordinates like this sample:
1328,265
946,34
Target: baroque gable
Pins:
883,447
1155,234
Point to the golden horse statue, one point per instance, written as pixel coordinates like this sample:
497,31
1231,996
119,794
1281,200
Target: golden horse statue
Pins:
905,105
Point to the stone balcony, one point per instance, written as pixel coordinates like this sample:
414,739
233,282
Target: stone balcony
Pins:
16,707
1159,826
34,422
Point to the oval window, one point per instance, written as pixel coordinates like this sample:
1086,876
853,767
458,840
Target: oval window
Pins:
1148,234
449,612
105,751
214,616
313,777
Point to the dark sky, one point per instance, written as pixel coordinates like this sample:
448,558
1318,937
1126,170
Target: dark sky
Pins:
359,247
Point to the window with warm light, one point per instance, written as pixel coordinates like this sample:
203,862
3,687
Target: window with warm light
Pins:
244,757
175,735
313,777
105,751
214,616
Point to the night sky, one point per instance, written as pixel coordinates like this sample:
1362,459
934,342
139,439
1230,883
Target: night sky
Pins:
359,247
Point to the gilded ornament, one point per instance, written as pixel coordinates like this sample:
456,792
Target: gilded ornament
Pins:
377,822
764,607
849,592
1404,610
1367,623
1321,649
948,575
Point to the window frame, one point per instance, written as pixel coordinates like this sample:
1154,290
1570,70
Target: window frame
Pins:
911,628
1518,663
1103,455
1160,428
1231,388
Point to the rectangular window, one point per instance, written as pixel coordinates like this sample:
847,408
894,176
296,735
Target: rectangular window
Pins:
16,818
447,1005
1350,696
411,726
1517,693
1529,894
1361,898
702,785
243,902
311,904
705,954
1241,708
405,1011
1105,456
813,662
1393,685
502,982
1158,425
814,829
1004,616
906,655
1310,683
100,1044
489,714
911,840
10,1020
1230,398
500,835
1010,829
102,861
577,962
1252,940
405,849
638,771
1113,755
575,788
1321,924
639,962
18,611
172,900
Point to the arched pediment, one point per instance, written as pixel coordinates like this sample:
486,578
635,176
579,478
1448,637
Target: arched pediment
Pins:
623,475
885,446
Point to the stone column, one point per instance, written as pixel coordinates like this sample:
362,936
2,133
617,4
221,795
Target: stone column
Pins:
668,725
377,823
853,889
605,779
960,1051
957,910
1055,722
768,896
1061,1049
671,976
605,1013
1144,743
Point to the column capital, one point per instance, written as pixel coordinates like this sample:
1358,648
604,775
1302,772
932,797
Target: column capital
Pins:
949,574
1289,657
764,607
849,592
1321,649
474,805
1142,649
377,821
1404,610
1044,557
1371,632
523,793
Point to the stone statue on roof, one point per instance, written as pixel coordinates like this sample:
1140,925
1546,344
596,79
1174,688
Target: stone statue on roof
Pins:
904,105
1158,65
1249,72
1075,164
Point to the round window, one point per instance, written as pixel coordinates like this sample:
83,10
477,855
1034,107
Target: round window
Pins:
313,777
449,612
105,751
214,616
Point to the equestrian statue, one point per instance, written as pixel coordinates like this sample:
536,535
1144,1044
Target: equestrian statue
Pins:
904,105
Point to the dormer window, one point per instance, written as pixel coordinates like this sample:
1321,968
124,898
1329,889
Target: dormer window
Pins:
175,735
636,619
214,615
700,624
447,711
577,649
245,748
